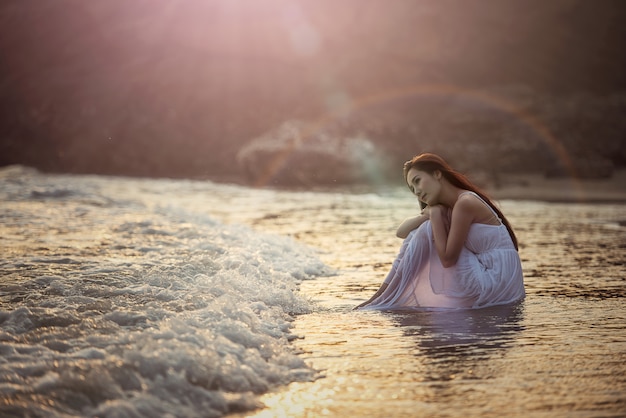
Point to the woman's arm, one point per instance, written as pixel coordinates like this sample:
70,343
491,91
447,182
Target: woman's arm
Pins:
450,236
410,224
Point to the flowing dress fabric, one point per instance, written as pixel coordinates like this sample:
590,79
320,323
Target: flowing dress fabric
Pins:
488,272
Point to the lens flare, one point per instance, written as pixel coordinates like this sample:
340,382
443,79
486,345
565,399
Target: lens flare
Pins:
491,101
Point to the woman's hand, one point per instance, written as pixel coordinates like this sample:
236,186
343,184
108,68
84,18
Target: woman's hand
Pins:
441,214
436,209
426,212
410,224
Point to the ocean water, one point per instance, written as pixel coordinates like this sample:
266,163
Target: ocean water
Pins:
141,298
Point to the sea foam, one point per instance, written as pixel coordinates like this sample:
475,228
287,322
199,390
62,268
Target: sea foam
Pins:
128,304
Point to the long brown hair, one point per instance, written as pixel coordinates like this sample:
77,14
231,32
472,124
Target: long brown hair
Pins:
430,163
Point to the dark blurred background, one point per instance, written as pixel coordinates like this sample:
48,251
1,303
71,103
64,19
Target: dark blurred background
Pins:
168,88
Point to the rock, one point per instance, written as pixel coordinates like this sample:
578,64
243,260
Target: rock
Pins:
301,154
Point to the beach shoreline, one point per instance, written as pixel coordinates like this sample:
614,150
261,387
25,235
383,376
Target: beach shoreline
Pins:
503,186
562,190
507,186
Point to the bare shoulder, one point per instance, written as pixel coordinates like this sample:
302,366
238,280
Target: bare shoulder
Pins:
468,200
472,204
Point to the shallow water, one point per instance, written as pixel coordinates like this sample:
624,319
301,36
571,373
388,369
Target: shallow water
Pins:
127,297
561,352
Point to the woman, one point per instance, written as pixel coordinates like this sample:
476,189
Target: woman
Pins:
461,252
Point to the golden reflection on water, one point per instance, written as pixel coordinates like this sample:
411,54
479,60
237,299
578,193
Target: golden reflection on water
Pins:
539,358
561,352
350,372
409,361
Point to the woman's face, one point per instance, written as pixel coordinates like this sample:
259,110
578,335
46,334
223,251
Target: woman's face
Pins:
424,185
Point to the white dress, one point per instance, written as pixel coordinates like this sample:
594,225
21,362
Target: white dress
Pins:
488,272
